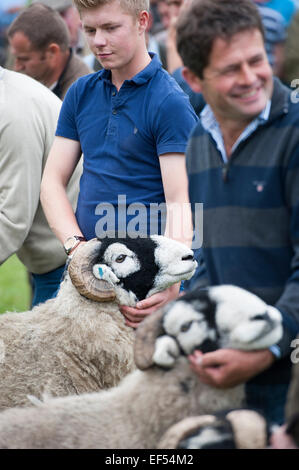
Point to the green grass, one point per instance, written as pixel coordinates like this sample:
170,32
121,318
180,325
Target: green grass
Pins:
14,286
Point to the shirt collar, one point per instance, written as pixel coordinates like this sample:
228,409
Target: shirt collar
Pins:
140,78
211,125
208,118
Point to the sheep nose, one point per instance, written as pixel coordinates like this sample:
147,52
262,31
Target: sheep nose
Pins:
188,258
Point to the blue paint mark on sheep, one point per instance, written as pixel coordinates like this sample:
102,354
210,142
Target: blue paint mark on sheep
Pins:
101,273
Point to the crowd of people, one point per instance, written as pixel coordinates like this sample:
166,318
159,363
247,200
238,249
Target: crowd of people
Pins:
169,103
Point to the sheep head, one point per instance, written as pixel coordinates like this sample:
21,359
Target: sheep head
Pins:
129,269
236,429
219,317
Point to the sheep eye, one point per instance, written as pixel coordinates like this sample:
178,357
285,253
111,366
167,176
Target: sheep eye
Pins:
186,326
120,258
262,316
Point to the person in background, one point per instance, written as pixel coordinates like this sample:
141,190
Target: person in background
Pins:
286,8
291,60
9,10
275,35
243,165
71,17
28,117
40,43
174,61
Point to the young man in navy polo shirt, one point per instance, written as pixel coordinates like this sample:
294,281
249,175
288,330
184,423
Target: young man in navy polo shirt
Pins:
131,122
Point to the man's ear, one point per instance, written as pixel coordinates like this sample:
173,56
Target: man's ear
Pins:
193,81
52,50
143,21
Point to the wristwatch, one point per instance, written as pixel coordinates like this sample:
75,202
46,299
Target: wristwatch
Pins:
72,242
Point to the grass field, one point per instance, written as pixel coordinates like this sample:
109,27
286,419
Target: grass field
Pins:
14,287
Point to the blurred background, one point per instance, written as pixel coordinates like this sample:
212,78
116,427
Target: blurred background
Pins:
14,287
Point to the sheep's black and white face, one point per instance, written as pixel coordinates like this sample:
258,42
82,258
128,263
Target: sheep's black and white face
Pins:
174,260
244,321
218,435
219,317
191,321
140,267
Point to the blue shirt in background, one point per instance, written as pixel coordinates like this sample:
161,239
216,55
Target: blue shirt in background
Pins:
286,8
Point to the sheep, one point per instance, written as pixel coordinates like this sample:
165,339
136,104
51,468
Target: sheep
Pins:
136,413
232,429
79,342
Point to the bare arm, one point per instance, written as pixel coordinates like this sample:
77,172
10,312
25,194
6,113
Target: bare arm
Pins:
175,183
61,163
178,227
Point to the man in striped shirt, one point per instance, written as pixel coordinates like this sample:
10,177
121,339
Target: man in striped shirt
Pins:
243,165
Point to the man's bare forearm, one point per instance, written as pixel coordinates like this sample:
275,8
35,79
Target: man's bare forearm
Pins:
59,212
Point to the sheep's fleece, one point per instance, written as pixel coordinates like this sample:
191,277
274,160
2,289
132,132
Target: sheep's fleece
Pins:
72,345
137,413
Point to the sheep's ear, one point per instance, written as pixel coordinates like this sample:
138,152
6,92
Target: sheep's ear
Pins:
146,335
81,273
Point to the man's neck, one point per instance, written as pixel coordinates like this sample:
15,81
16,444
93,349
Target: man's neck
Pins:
139,62
61,63
231,131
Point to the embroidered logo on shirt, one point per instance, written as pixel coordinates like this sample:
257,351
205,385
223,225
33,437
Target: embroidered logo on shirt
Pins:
135,130
260,186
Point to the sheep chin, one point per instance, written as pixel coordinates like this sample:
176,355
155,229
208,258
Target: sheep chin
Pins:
166,352
125,297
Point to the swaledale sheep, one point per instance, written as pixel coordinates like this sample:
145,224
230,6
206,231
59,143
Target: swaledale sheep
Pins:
79,342
137,412
232,429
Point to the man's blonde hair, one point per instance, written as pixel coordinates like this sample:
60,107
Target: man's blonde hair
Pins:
134,7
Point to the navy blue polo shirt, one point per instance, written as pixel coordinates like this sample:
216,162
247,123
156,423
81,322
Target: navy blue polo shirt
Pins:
122,134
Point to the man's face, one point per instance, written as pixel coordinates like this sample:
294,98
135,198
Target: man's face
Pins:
72,20
28,60
174,7
113,35
238,81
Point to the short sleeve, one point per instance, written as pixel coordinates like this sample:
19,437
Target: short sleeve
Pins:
67,125
174,120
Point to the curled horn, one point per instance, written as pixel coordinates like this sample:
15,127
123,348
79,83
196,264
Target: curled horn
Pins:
146,335
80,271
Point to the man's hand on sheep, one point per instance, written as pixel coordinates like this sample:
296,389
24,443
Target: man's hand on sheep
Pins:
134,315
227,368
281,440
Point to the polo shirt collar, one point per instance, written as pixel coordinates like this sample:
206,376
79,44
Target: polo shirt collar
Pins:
148,72
140,78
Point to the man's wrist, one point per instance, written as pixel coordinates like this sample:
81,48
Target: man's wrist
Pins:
72,243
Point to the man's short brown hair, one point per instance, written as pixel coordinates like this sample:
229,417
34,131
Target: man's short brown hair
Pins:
42,26
206,20
134,7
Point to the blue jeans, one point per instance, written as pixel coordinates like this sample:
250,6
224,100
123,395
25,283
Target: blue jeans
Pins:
269,399
45,286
